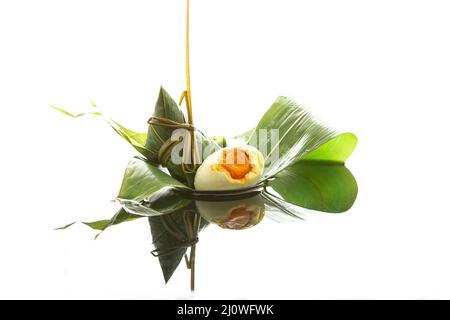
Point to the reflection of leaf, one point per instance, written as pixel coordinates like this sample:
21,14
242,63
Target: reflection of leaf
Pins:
143,180
322,186
172,234
163,202
276,207
135,139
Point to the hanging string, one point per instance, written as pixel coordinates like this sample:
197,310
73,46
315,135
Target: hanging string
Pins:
191,157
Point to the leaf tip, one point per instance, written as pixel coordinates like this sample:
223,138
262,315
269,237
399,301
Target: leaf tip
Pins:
97,235
352,141
64,227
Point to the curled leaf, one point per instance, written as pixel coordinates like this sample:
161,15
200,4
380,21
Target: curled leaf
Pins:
135,139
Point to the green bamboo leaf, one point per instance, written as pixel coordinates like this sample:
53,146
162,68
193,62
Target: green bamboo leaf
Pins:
135,139
98,225
245,136
101,225
120,217
298,134
146,190
65,226
142,180
164,203
337,149
309,171
167,108
75,115
316,185
221,141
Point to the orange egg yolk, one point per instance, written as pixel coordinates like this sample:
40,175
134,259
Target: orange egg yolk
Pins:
236,162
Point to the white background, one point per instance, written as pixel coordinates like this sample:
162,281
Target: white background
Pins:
380,69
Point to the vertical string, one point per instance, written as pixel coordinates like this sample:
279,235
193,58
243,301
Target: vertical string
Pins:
193,149
194,157
188,69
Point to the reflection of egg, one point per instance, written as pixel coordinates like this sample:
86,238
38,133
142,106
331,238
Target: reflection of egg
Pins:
236,214
230,168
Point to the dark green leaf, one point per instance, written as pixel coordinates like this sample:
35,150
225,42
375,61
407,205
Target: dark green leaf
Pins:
142,180
167,108
146,190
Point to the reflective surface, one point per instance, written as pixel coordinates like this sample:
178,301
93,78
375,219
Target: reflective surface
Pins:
175,235
178,216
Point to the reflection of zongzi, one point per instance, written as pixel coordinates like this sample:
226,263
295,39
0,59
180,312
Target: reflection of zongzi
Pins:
172,235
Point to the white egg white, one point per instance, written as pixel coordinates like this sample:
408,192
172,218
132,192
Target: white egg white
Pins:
211,175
